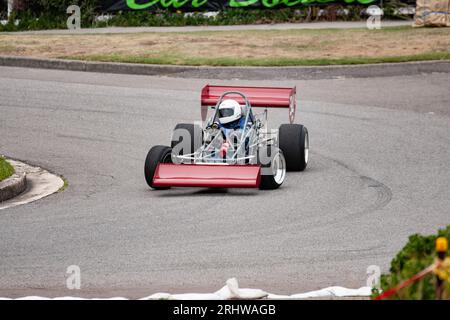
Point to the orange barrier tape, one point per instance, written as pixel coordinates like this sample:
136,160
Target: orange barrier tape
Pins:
414,278
440,267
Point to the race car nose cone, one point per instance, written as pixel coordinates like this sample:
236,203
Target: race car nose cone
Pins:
208,176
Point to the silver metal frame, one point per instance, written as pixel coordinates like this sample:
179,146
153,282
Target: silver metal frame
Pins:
206,153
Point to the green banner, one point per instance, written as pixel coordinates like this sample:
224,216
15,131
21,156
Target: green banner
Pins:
216,5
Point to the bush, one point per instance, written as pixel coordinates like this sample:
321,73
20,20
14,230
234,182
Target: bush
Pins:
57,7
415,256
225,17
54,17
6,169
51,14
391,6
3,6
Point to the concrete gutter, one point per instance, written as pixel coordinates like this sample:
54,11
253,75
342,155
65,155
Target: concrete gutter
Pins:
14,185
35,183
249,73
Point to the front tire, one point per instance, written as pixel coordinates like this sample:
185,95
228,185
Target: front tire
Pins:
273,168
157,154
293,140
186,138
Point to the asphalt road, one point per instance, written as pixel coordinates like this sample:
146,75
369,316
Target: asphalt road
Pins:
379,171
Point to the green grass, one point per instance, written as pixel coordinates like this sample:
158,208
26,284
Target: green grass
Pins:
65,185
269,62
263,48
6,170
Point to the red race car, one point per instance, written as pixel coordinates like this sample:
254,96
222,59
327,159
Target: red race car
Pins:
234,149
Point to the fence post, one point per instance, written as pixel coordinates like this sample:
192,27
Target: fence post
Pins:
441,249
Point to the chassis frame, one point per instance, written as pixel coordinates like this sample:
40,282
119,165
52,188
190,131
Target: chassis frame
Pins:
253,136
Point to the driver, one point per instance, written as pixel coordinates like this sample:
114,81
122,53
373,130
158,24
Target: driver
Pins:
230,116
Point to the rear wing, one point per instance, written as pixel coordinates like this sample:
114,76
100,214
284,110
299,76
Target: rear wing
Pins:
267,97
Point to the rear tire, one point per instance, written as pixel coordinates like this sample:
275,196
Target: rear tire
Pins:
192,132
293,140
157,154
273,168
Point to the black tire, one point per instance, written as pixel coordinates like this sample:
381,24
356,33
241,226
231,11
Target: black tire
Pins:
293,140
157,154
266,156
191,131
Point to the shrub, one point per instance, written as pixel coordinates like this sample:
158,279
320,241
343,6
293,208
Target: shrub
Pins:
390,8
56,7
415,256
51,14
6,169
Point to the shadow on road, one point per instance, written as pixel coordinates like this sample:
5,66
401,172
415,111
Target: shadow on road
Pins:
208,192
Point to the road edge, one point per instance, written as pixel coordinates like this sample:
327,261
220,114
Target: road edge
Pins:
40,183
232,291
250,73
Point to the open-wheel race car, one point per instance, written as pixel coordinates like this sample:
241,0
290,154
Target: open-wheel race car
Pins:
234,149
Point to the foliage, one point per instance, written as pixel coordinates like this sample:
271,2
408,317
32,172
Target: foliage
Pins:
226,17
3,7
390,8
415,256
56,7
51,14
6,169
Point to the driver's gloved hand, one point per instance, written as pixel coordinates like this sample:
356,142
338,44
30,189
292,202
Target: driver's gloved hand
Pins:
215,125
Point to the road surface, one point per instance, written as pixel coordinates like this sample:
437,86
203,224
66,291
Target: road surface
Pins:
378,172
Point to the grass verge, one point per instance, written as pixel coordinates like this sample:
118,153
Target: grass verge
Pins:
241,48
6,170
263,62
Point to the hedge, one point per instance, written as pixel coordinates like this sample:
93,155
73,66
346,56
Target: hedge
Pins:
415,256
51,14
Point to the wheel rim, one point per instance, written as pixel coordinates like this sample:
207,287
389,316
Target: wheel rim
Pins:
279,168
306,147
167,158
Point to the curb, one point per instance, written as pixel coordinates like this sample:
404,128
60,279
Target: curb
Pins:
39,183
14,185
249,73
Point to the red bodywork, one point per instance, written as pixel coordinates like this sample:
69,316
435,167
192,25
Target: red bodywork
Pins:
225,176
205,175
267,97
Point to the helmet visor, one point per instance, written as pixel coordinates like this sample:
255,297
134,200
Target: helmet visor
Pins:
226,112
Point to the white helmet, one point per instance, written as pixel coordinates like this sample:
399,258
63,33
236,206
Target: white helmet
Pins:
229,111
